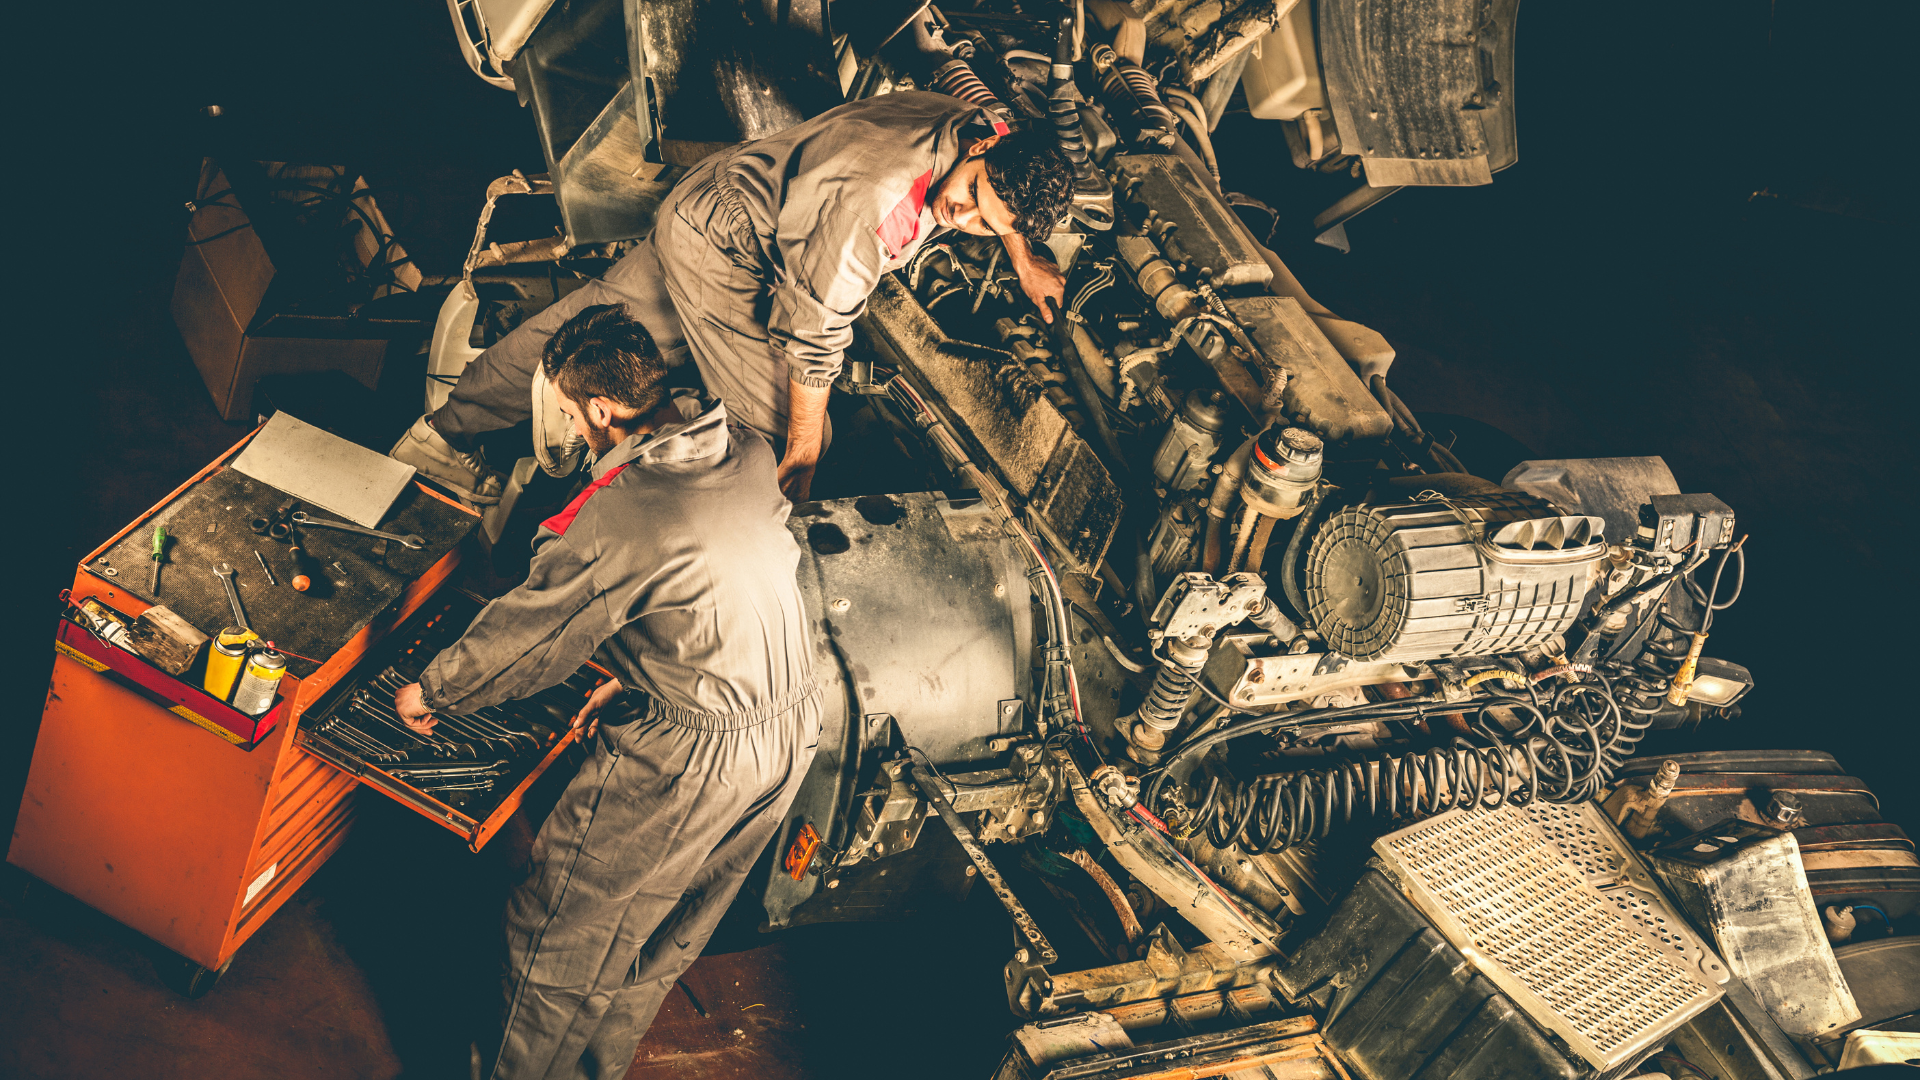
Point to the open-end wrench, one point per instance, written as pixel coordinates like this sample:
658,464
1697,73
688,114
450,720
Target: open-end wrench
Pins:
473,725
439,745
414,738
233,596
467,732
358,741
410,540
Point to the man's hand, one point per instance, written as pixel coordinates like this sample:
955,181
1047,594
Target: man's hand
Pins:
796,479
588,721
1042,282
1039,278
412,709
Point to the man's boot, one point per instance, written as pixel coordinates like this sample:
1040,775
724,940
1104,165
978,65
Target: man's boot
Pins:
466,474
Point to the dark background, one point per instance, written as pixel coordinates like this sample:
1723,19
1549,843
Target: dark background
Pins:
1703,253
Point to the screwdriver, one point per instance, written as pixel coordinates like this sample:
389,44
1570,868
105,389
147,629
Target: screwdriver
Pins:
159,556
304,566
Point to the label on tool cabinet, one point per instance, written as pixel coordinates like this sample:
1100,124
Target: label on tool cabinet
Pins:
190,716
72,653
259,883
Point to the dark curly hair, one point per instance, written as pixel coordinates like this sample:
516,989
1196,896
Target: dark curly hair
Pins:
605,352
1033,177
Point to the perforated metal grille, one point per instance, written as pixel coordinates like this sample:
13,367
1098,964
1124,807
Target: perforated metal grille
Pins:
1520,892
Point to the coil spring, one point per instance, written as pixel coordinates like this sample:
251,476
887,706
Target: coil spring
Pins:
1566,751
1168,697
956,78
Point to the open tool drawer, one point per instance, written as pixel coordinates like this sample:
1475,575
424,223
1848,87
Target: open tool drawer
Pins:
471,774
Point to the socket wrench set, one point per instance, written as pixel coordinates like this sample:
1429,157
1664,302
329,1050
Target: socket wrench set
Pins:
469,772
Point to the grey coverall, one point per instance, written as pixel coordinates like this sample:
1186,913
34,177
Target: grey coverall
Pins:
674,569
762,258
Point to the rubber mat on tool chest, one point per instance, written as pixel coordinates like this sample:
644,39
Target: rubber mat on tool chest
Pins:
209,524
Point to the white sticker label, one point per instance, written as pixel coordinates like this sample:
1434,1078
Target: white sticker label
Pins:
259,883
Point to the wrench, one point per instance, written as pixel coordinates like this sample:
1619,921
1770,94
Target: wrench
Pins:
475,725
411,540
233,595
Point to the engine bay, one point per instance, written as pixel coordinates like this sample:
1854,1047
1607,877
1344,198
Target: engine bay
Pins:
1181,617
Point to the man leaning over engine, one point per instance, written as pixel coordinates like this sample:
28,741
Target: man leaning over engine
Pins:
674,569
764,255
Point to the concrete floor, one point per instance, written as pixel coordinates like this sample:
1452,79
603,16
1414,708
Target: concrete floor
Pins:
1617,292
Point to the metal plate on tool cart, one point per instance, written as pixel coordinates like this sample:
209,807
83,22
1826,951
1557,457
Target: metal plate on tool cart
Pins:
208,525
325,471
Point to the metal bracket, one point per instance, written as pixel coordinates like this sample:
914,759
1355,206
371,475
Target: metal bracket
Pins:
1042,949
1198,606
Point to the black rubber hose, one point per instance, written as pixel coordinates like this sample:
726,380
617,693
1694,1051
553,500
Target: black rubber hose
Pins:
1090,400
1063,109
1290,562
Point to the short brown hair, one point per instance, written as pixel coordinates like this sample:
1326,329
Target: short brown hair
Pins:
605,352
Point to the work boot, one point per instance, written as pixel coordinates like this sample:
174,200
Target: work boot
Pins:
466,475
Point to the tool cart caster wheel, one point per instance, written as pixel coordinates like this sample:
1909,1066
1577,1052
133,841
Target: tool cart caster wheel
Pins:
188,979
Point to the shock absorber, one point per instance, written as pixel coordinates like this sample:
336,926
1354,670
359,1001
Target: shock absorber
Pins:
1167,699
1132,89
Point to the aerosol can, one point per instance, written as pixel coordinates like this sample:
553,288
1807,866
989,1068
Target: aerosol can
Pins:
259,682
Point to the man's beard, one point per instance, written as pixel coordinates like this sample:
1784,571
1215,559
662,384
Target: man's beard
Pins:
599,440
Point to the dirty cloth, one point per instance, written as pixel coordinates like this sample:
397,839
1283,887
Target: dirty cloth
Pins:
674,569
762,258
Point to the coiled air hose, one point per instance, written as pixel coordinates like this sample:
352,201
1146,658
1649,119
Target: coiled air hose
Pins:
1567,749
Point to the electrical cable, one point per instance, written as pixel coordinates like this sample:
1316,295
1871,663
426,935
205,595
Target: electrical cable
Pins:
1706,597
1877,910
1201,684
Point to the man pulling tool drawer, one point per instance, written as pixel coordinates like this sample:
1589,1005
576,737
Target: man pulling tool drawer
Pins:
674,570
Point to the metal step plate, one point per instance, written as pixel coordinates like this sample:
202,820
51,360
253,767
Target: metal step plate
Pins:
1555,909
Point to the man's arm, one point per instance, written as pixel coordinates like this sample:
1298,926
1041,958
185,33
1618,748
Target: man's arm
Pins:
530,639
1039,278
493,391
806,421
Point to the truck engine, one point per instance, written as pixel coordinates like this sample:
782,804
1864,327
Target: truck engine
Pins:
1344,759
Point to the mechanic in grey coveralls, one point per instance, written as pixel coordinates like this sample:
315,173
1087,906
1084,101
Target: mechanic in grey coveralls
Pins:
764,255
674,570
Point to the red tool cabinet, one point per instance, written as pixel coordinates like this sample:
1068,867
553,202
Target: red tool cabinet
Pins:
141,806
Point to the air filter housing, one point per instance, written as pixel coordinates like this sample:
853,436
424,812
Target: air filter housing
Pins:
1469,576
